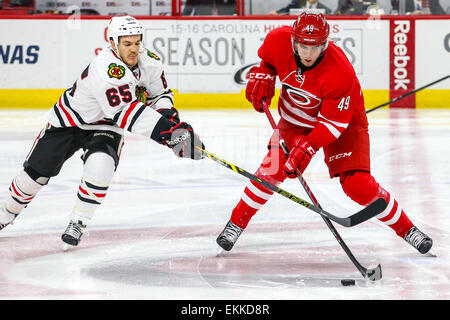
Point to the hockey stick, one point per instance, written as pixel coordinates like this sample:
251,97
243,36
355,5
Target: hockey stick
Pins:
371,274
407,94
365,214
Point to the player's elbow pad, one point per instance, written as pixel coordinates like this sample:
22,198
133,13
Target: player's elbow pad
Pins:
140,119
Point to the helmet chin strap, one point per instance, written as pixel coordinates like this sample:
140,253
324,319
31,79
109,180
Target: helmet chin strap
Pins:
325,46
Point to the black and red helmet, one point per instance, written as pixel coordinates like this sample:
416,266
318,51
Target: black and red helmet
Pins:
311,29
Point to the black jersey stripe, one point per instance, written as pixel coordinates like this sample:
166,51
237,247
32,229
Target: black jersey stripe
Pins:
168,92
58,114
67,104
117,116
153,102
85,73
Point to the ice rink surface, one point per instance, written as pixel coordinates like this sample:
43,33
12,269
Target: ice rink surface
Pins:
154,235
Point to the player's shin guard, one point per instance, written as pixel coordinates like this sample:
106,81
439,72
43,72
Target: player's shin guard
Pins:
255,195
394,216
362,188
22,190
98,171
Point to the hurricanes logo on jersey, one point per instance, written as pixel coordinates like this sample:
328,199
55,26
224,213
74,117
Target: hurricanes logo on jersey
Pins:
116,71
301,98
152,55
141,94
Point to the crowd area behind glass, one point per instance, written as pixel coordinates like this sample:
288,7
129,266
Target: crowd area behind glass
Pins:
226,7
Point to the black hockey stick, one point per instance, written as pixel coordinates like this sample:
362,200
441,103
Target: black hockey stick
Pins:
371,274
407,94
365,214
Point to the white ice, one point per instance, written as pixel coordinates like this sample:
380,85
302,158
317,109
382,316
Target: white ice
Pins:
154,235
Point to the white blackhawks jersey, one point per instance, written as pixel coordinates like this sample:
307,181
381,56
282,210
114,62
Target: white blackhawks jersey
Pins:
108,95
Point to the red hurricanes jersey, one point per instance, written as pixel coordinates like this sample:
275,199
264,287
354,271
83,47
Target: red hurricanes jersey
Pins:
326,98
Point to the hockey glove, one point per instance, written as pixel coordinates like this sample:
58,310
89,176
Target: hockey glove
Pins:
299,158
260,86
170,114
180,138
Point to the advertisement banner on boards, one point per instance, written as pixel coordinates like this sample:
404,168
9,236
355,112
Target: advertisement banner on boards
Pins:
402,58
202,53
432,52
198,55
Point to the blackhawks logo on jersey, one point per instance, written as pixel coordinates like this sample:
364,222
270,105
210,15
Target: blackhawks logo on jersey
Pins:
141,94
116,71
152,55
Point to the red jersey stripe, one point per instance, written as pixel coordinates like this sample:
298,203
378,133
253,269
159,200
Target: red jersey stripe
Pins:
68,116
127,114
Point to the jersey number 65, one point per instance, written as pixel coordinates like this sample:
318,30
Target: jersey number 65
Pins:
113,95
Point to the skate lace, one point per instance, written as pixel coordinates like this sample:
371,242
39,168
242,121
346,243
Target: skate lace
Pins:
232,231
416,238
74,229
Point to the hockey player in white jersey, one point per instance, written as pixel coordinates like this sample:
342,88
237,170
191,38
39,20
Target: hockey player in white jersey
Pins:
123,88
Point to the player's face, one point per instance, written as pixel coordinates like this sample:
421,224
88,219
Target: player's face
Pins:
128,49
308,54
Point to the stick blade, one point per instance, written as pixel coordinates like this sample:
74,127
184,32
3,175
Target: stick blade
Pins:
374,274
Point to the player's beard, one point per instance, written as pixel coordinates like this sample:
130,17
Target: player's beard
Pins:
131,60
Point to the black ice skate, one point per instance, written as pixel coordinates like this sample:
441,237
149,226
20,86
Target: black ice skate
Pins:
229,236
419,240
73,233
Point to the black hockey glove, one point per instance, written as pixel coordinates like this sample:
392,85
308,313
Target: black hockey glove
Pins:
180,138
170,114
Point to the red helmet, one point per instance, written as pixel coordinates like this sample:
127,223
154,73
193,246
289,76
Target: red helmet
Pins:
310,29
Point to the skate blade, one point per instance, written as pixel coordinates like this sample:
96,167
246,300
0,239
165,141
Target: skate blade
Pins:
431,254
67,247
220,252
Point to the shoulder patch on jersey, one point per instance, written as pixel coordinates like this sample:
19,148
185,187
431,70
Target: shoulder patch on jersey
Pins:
152,55
116,71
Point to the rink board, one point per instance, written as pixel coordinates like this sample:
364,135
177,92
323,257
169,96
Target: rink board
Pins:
206,60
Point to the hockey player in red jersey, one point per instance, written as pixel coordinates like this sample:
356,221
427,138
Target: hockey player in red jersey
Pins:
123,88
321,106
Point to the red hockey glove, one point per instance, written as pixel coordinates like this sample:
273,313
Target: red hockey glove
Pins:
261,85
180,138
170,114
299,158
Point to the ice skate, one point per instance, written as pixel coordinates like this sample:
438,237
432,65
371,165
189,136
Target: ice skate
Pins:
5,215
419,240
229,236
73,233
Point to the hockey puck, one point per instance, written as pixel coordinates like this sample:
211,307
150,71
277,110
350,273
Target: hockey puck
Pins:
348,282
